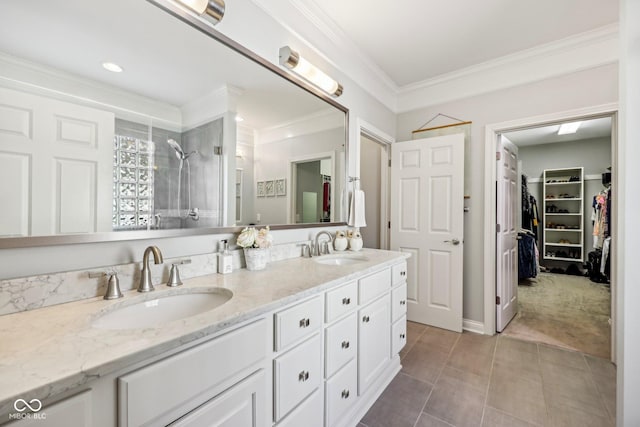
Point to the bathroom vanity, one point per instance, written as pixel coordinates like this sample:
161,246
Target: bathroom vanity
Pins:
300,343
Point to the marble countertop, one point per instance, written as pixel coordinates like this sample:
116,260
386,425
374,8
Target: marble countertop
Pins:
50,350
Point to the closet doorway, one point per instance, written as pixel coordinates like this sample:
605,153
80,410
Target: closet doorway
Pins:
564,233
374,181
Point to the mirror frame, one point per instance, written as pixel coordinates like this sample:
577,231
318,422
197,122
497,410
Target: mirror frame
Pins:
114,236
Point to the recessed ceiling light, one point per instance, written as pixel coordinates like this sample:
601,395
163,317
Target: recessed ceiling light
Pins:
114,68
239,118
567,128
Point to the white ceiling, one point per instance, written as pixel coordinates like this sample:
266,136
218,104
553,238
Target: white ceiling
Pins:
589,129
415,40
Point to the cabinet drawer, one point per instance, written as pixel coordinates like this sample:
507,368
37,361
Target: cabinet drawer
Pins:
399,273
398,335
398,302
341,392
308,414
340,344
340,301
297,322
184,381
372,286
296,375
241,405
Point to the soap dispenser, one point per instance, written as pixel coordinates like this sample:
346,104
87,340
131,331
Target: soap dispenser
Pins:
225,259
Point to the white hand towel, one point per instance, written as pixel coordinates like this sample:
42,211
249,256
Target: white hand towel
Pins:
356,210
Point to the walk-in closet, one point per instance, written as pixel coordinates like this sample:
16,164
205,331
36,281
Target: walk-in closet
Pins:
565,235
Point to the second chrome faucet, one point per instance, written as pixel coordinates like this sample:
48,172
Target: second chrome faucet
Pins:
145,275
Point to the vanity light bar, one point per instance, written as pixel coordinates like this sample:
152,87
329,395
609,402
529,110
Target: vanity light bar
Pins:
213,10
292,60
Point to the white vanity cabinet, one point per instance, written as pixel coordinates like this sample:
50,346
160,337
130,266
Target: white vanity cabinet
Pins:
164,391
374,347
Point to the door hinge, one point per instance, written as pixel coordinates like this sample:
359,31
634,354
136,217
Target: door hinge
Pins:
497,300
497,228
498,155
389,162
217,151
389,225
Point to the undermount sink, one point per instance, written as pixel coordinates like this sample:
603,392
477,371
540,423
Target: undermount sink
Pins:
341,259
155,312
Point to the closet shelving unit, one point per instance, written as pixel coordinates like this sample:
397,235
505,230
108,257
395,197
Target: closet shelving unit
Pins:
563,214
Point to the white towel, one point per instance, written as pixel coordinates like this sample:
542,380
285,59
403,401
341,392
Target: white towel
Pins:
356,210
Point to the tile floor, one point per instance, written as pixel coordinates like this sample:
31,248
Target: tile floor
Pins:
450,379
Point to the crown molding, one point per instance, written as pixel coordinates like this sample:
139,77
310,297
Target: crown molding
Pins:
572,54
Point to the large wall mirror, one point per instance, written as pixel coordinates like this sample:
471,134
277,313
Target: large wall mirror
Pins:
188,135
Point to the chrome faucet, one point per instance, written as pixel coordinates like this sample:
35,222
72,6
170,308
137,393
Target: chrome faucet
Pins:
318,249
145,276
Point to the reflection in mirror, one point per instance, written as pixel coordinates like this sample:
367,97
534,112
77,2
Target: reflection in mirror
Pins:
182,137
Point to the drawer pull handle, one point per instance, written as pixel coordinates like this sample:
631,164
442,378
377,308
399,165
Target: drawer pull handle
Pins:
403,273
346,301
345,394
304,323
403,302
303,376
402,336
345,344
365,319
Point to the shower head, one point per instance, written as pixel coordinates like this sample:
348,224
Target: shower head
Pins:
179,152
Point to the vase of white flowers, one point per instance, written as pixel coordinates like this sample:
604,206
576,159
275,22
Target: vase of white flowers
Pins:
256,244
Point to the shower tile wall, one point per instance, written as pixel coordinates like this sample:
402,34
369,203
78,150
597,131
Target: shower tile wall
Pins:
206,167
206,176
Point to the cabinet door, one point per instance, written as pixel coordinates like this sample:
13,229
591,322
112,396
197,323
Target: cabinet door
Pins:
398,302
296,375
73,410
341,393
374,330
242,405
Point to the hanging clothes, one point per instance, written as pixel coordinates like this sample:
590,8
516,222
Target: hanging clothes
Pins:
527,256
530,217
601,216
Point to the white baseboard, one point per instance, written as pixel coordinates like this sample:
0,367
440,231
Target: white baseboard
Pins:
472,326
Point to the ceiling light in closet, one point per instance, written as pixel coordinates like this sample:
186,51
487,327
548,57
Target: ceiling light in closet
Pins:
113,67
292,60
213,10
239,119
567,128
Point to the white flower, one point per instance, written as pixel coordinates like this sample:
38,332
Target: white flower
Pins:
251,238
264,239
247,237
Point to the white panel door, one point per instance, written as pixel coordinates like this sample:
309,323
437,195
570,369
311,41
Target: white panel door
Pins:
58,157
506,234
427,195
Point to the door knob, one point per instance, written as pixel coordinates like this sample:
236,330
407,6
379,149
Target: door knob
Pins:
455,242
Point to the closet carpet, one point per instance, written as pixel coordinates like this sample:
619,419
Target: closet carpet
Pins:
566,311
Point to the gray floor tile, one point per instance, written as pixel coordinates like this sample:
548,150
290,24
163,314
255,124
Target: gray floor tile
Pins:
518,397
562,416
558,356
479,382
427,420
456,401
478,363
511,345
607,388
575,388
494,418
400,404
600,366
523,368
424,362
414,331
439,339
